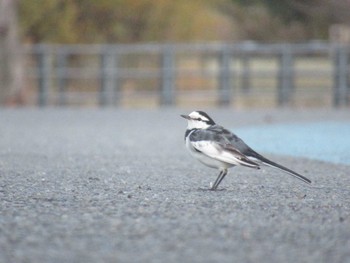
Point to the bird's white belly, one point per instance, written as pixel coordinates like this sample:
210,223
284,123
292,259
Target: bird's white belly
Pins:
208,161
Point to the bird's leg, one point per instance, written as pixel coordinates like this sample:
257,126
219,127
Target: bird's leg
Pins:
222,177
218,180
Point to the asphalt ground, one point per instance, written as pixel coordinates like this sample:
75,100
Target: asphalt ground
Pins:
118,186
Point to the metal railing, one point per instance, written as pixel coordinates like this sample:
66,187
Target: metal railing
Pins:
168,74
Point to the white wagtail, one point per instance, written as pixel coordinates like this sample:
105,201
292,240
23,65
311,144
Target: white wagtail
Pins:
217,147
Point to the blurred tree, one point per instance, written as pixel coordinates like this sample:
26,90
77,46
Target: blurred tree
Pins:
312,14
297,19
49,20
254,20
94,21
11,66
126,21
287,9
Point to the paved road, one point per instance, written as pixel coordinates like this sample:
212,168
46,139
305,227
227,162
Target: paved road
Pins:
118,186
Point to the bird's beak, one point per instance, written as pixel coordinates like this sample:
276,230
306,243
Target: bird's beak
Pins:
186,117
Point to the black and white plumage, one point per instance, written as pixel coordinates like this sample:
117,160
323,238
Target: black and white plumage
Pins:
217,147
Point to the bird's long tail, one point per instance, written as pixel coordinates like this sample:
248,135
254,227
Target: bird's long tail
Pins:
278,166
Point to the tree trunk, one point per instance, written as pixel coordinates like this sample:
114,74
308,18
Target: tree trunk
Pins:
11,66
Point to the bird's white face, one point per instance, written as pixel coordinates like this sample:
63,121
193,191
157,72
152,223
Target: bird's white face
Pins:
196,120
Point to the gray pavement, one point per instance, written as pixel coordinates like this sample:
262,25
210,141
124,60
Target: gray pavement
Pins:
118,186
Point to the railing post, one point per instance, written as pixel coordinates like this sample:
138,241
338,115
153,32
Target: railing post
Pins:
108,77
224,77
285,76
44,70
245,73
340,76
167,92
62,75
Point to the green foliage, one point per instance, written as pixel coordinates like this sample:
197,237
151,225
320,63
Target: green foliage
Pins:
128,21
49,20
94,21
300,18
287,10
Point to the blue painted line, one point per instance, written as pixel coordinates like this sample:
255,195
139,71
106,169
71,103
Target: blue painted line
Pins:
326,141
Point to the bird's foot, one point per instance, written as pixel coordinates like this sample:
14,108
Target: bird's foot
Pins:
212,187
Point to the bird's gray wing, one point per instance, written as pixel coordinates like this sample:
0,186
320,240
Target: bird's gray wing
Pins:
232,138
214,144
240,145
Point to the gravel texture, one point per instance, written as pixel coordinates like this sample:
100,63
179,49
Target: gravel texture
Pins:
118,186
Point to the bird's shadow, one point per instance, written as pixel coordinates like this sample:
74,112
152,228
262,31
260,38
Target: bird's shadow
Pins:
200,189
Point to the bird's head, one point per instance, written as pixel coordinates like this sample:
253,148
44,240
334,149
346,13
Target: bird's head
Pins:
198,120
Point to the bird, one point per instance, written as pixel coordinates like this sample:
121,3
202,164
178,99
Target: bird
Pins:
219,148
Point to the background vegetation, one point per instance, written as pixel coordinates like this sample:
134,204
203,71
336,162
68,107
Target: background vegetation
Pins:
128,21
135,21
